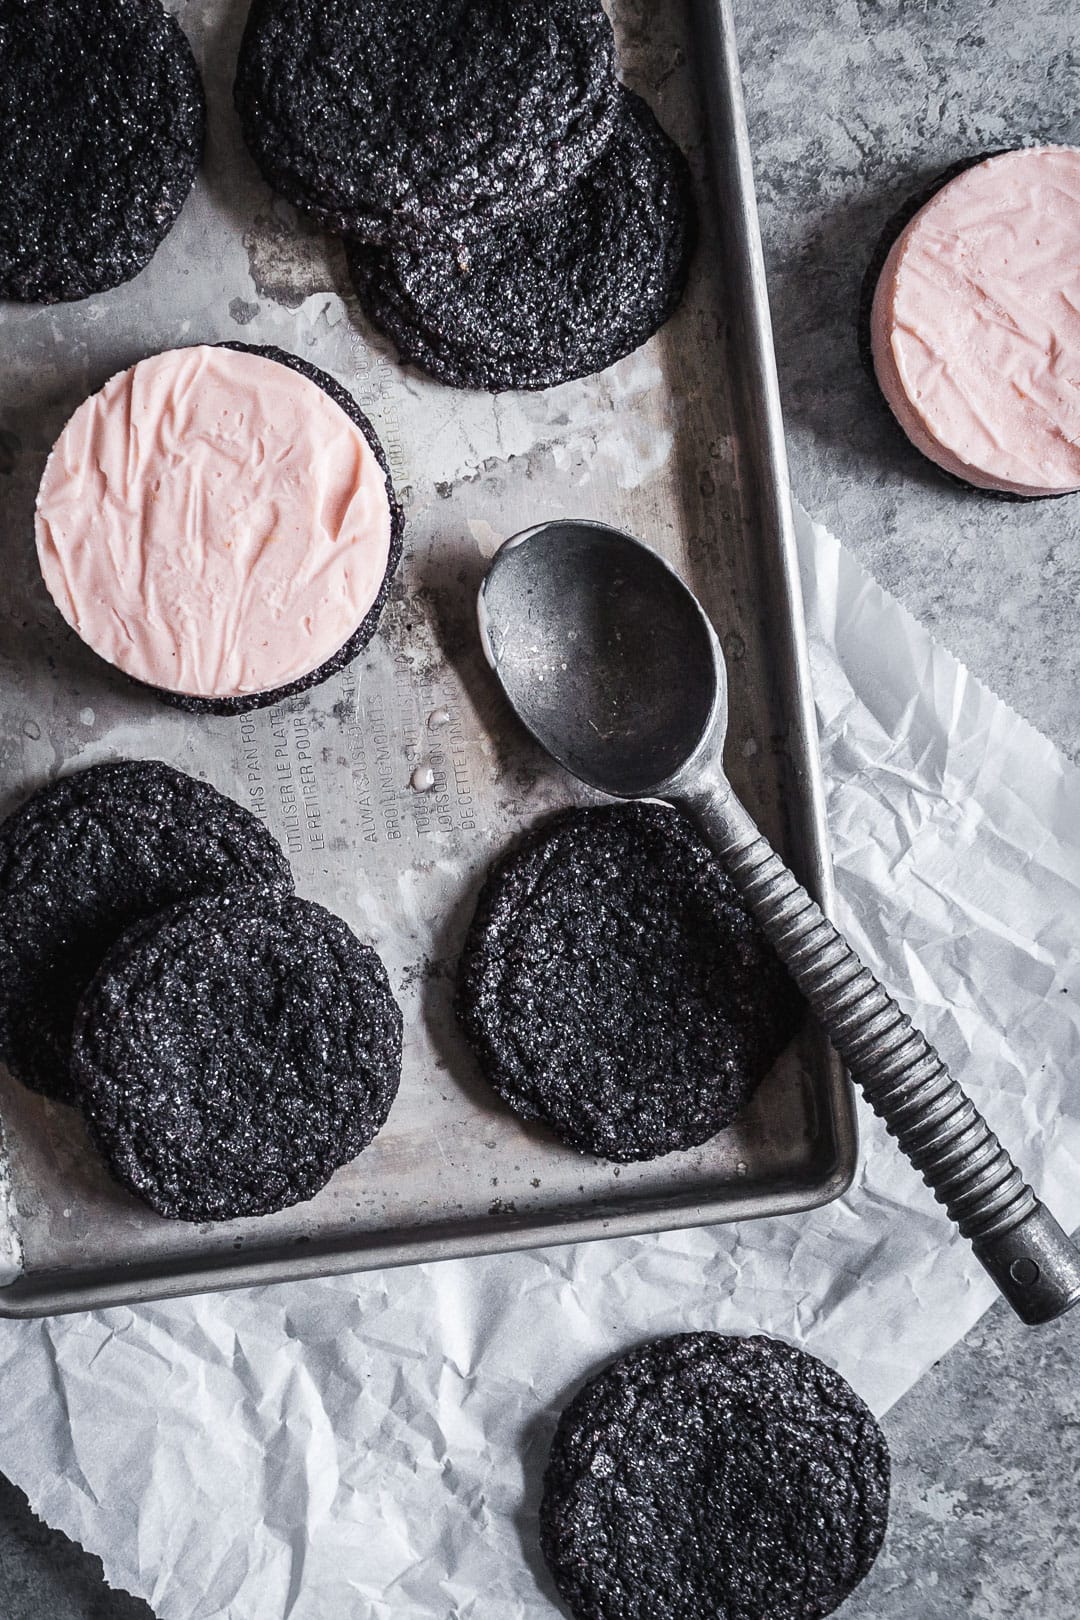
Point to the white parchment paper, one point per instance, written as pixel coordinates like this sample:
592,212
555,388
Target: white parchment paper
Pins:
371,1446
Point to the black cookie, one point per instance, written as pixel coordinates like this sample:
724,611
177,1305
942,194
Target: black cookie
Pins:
370,622
895,226
614,986
709,1476
402,117
101,130
557,293
84,859
232,1053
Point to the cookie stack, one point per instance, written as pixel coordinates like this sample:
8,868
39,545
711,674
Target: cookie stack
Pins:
229,1044
514,217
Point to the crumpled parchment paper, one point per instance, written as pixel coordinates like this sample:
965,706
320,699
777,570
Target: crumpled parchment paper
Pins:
373,1445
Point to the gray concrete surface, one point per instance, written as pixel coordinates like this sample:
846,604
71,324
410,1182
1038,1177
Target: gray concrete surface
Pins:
851,104
44,1576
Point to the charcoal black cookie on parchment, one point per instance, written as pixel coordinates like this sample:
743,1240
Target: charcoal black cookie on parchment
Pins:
704,1476
559,292
82,860
232,1053
101,130
399,118
613,985
370,623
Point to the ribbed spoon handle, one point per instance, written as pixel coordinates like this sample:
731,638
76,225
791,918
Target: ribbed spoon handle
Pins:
935,1123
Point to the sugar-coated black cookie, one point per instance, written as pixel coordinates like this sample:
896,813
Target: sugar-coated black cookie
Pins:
560,292
231,1053
898,222
613,985
370,622
709,1476
101,130
403,117
82,860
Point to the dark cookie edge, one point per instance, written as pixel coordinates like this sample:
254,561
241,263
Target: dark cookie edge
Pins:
386,307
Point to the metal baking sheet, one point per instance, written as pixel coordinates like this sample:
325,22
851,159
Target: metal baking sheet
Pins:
680,444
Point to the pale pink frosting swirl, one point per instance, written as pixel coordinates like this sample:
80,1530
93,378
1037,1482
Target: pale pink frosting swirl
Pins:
213,523
976,324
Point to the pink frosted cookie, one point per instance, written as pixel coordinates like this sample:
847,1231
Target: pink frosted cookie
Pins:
975,324
220,524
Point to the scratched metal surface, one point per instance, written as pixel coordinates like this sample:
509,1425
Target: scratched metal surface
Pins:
652,445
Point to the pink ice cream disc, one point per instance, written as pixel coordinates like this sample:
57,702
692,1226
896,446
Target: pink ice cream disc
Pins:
975,326
213,523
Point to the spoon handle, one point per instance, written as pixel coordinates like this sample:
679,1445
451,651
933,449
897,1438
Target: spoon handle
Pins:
937,1126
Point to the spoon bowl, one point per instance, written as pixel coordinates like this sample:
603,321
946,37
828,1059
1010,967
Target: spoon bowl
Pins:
605,655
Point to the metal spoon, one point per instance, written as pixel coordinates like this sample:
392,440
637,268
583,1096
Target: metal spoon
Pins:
611,663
